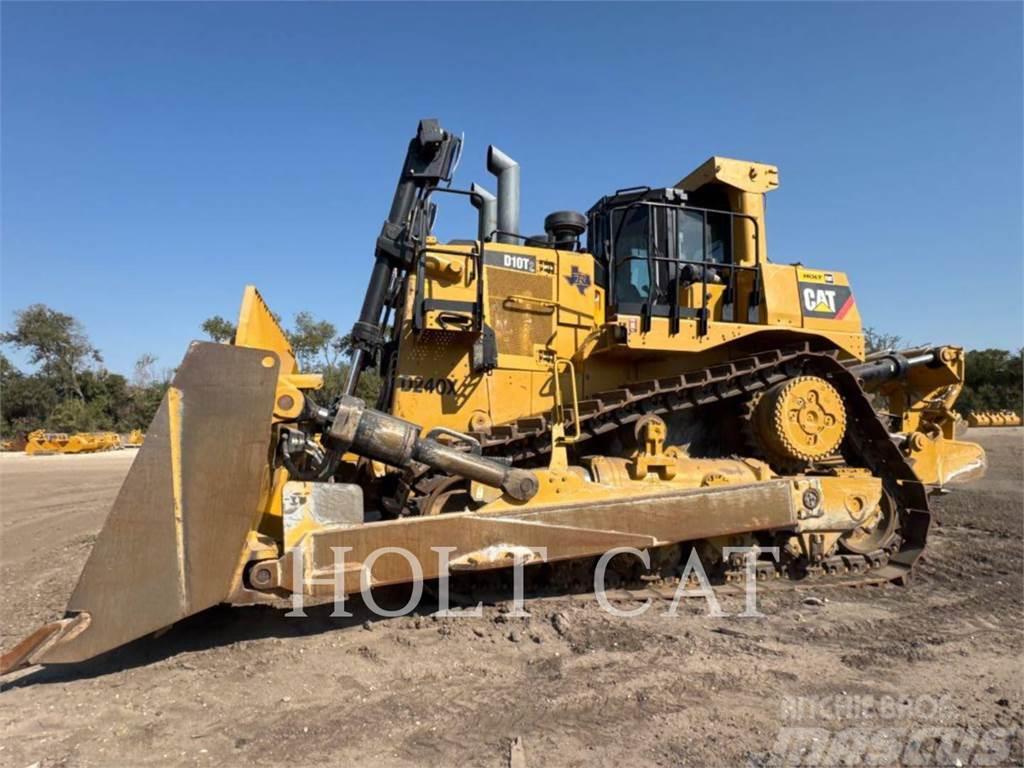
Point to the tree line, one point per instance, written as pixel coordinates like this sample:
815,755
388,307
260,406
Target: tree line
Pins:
318,348
70,389
994,379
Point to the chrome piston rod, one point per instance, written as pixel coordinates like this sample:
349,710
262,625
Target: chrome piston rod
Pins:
397,442
893,365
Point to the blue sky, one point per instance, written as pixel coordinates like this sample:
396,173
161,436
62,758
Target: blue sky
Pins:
156,157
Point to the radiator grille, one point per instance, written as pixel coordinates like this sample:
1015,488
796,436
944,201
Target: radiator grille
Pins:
519,326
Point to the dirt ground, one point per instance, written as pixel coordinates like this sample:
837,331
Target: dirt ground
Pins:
932,672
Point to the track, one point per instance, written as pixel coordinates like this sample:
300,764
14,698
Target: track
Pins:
867,442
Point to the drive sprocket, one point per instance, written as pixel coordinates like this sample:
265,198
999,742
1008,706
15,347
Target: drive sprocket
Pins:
798,422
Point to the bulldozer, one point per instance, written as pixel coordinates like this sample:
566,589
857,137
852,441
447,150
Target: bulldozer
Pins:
640,375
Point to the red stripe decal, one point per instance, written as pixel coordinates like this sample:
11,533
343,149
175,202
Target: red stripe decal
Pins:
847,306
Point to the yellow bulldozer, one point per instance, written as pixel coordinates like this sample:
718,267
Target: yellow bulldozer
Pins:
660,385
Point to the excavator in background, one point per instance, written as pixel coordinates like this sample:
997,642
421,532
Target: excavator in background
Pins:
661,385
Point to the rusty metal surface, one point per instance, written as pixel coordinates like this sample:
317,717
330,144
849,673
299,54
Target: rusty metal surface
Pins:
35,646
177,530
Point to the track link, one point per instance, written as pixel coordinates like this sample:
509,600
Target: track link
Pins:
867,442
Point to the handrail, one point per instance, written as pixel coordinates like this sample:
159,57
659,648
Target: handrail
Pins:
559,406
517,297
651,259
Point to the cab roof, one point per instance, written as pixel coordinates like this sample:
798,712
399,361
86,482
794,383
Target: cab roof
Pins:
744,175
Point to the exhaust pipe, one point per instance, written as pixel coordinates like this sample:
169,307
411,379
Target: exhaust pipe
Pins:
507,171
487,204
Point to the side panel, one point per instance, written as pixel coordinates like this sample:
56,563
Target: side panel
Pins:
538,302
826,301
781,296
830,313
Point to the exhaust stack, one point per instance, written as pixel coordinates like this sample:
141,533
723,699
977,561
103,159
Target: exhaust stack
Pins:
507,171
487,204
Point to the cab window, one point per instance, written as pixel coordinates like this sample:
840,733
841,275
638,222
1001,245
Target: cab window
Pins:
690,235
694,232
632,272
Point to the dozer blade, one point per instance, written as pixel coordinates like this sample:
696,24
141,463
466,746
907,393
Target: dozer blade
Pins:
173,541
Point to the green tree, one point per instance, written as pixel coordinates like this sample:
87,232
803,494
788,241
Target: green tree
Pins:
144,404
147,390
877,341
319,349
219,329
25,401
994,381
316,343
55,341
71,416
68,393
108,400
368,387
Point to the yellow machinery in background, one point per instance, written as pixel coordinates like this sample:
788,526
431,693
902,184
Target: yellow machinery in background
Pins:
93,442
43,443
134,439
663,386
994,419
14,445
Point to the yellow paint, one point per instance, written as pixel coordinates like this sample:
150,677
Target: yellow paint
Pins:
43,443
743,175
271,520
926,396
258,329
175,401
746,184
940,462
542,314
544,305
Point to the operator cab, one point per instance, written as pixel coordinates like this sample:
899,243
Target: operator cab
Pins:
659,255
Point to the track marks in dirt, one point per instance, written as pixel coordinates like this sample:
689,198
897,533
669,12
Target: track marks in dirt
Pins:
247,687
